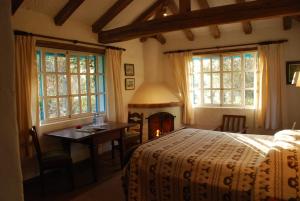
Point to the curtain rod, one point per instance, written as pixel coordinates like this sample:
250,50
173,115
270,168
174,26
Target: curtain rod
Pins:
18,32
229,46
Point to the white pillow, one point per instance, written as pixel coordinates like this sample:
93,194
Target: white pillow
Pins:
287,135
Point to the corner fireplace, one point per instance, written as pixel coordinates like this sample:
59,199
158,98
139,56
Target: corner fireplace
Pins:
159,124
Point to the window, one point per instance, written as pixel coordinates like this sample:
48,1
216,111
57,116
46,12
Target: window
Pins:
71,85
226,80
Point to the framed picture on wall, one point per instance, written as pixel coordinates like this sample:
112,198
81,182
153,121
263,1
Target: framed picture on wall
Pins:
291,68
129,69
129,83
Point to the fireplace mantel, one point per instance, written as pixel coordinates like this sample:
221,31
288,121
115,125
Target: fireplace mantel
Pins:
154,105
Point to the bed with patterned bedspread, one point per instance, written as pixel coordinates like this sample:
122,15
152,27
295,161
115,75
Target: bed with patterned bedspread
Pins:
194,164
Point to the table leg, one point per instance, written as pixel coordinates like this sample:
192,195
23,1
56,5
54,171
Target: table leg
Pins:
122,147
94,155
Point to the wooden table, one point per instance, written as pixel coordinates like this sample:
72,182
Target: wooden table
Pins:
92,137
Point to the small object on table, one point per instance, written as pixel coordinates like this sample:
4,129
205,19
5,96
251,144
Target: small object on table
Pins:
78,127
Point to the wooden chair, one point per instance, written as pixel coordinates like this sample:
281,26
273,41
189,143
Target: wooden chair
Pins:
233,124
133,135
51,160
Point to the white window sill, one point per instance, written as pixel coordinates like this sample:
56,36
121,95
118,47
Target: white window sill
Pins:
226,107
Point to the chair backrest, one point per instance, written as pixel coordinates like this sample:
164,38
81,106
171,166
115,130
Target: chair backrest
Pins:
137,118
36,143
234,123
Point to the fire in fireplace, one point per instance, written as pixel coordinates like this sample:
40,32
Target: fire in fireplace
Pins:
159,124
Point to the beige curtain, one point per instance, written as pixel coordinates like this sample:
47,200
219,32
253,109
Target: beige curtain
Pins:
113,59
26,89
180,63
270,113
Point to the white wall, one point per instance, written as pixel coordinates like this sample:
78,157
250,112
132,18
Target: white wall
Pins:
38,23
233,34
10,170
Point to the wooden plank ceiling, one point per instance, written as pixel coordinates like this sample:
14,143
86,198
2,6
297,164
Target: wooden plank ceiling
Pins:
166,15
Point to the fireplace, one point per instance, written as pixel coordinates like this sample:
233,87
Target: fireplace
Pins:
160,123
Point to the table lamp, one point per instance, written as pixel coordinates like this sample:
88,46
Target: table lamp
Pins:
296,79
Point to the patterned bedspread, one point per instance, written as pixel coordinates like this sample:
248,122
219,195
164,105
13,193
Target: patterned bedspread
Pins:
193,164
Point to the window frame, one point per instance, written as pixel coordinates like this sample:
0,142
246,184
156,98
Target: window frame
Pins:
221,88
41,63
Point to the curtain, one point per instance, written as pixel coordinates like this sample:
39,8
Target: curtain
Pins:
26,90
113,66
270,113
180,63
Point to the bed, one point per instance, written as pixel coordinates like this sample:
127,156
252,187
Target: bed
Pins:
195,164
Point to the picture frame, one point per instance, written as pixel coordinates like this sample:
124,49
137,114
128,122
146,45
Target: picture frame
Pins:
129,69
291,68
129,83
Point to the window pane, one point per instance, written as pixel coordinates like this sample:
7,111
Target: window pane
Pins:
249,61
51,85
227,96
249,97
197,66
73,64
50,62
74,84
206,80
75,105
215,96
206,64
93,103
237,97
249,79
196,81
226,63
237,80
83,84
92,62
62,85
52,107
102,103
93,83
207,97
216,80
82,63
215,64
61,63
237,63
197,97
227,80
63,107
84,104
101,64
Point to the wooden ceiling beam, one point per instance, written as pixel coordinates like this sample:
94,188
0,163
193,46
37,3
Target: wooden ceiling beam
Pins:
64,14
154,9
184,6
112,12
15,4
149,12
214,29
247,27
174,9
259,9
287,22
